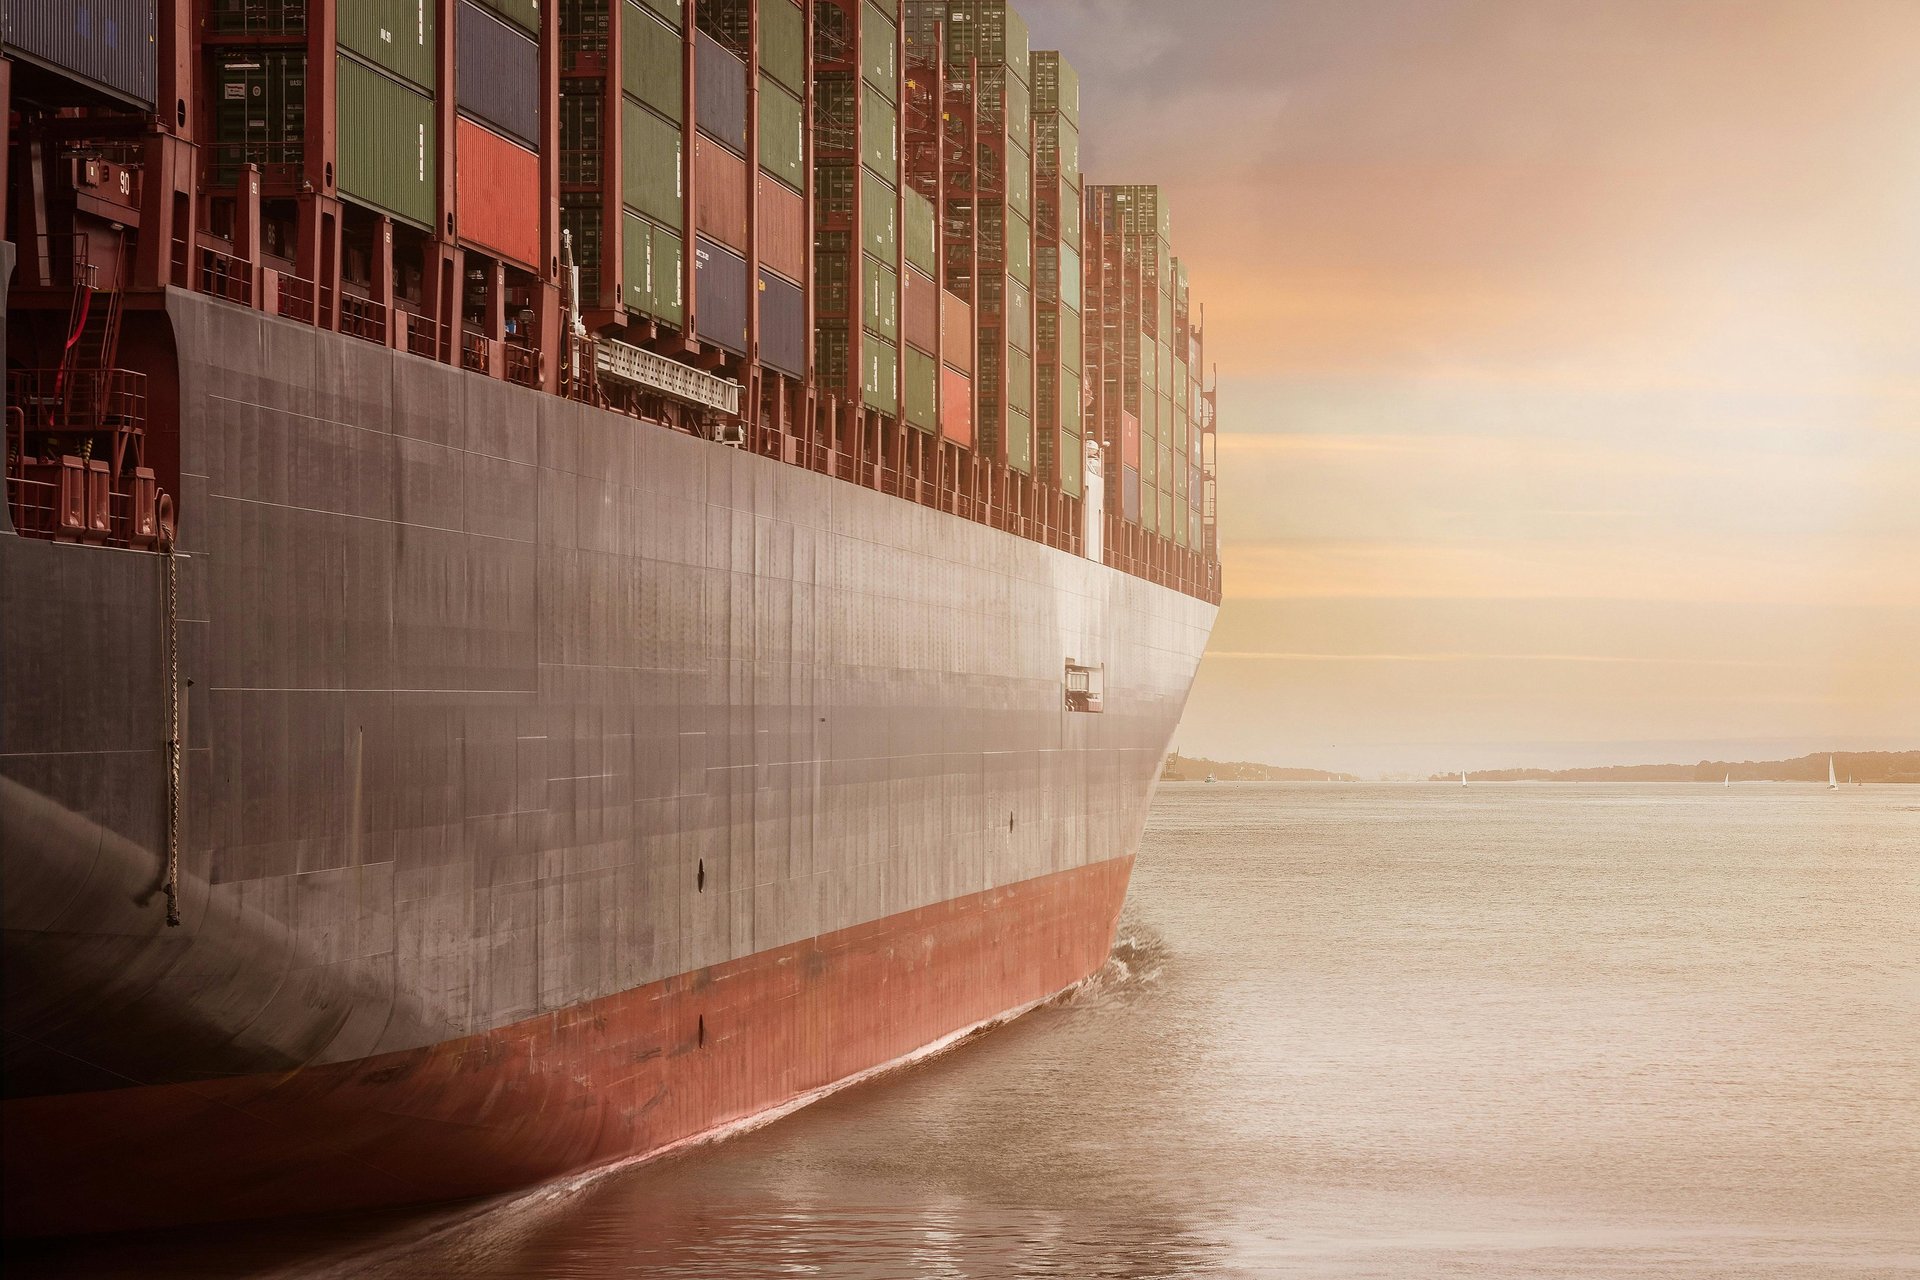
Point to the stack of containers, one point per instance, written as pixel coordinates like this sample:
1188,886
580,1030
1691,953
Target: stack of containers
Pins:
856,188
386,69
879,57
722,296
989,36
1198,416
497,90
1058,361
782,206
920,307
946,162
653,158
1136,368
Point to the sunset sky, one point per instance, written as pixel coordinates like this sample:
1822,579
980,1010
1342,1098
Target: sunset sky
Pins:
1570,366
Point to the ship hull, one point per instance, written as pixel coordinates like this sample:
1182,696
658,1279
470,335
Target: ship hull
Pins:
625,1075
517,734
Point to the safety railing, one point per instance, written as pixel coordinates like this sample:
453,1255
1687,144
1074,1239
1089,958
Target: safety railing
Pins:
224,275
363,318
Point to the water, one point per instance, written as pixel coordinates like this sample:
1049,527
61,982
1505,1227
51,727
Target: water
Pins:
1348,1031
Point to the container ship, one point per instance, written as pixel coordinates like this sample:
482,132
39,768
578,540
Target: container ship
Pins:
571,575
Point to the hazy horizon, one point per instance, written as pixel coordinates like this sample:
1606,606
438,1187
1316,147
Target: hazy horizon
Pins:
1569,371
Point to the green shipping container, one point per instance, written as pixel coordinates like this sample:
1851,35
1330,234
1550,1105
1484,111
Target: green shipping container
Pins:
923,390
879,217
1056,85
880,286
879,362
524,14
783,43
653,262
1018,309
1149,365
1071,406
396,34
1165,379
1020,380
923,241
387,144
1020,249
880,137
673,11
1019,112
783,151
1019,182
1070,353
1019,439
1072,464
652,158
653,65
879,51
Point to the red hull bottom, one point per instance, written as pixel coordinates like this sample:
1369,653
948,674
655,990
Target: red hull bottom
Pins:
617,1077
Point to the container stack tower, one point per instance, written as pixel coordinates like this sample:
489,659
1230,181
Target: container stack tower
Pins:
1058,294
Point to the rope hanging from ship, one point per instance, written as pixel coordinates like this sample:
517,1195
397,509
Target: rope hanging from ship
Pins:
170,578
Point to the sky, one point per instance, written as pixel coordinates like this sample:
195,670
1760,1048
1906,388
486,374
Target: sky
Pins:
1569,362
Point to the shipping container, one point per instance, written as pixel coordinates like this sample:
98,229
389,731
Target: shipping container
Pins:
956,406
879,216
783,146
492,176
1019,182
1056,85
920,309
1017,315
956,333
881,289
259,112
719,194
720,92
1071,394
653,66
783,229
109,44
720,297
1019,108
397,35
651,151
1019,440
386,143
922,237
1129,494
880,137
880,365
922,378
783,43
524,14
783,325
655,275
1130,441
673,11
1071,464
879,57
1019,248
497,73
1020,381
991,31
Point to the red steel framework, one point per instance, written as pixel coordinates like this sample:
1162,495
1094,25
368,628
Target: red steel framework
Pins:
122,203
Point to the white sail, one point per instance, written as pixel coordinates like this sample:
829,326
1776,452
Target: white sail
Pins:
1831,784
1463,777
1729,781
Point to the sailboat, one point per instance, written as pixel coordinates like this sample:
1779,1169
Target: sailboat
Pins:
1729,781
1463,777
1832,784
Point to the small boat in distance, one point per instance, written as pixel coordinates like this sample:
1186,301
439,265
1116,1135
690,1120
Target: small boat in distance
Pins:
1831,784
1463,777
1729,781
1211,778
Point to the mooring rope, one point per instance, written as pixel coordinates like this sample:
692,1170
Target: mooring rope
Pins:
172,641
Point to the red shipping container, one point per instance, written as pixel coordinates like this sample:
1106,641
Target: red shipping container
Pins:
719,194
783,229
956,325
921,304
492,178
956,405
1129,441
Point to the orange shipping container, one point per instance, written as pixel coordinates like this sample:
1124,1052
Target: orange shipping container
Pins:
719,194
956,325
956,405
491,180
783,229
920,301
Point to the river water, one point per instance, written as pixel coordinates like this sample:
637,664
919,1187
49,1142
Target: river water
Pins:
1348,1031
